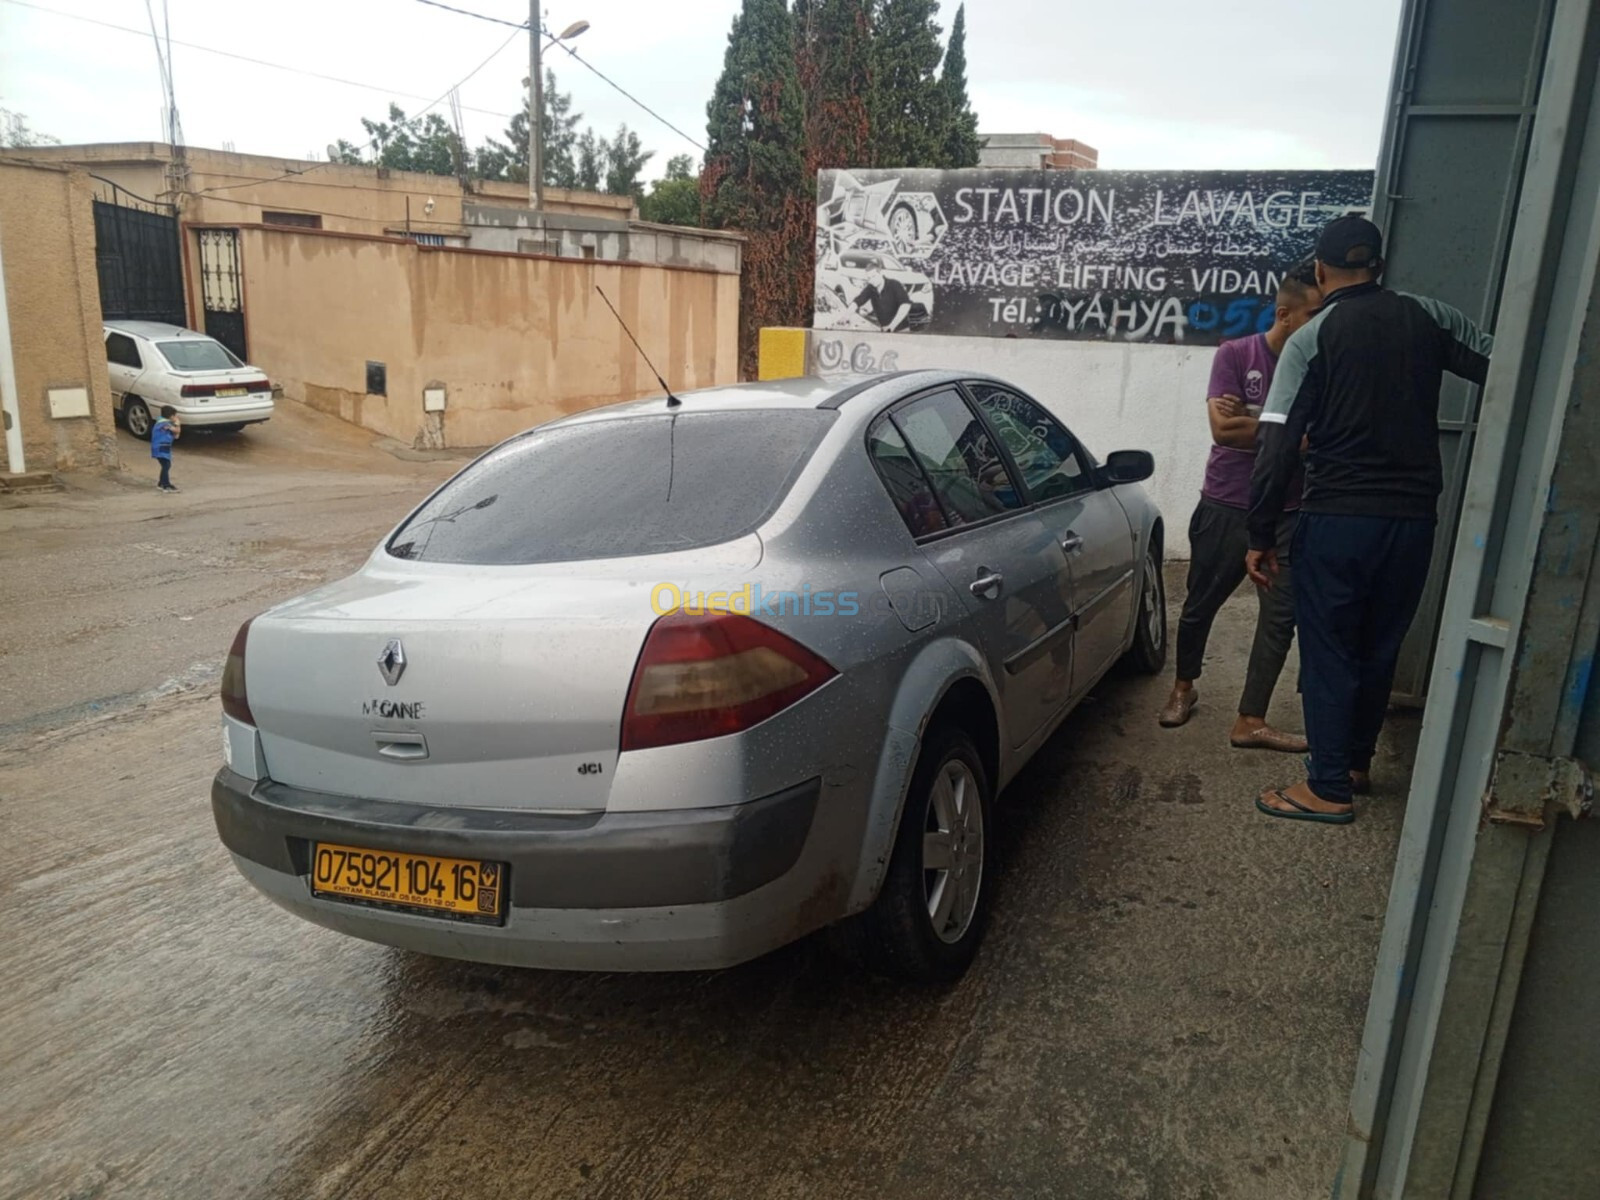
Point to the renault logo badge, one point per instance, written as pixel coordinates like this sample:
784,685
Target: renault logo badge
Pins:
392,662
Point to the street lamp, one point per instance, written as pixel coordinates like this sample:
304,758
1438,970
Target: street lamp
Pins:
536,103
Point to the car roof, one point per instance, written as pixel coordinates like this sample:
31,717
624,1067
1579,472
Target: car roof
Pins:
155,329
804,392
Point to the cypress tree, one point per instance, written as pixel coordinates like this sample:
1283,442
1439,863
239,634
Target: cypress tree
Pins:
833,49
755,177
961,131
908,105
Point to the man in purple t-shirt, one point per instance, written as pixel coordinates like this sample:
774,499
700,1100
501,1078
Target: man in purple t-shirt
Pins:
1241,375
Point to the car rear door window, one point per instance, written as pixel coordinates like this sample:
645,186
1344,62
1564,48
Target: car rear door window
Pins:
123,350
1047,455
616,488
907,486
954,449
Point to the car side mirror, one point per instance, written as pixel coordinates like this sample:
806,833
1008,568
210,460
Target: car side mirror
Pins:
1127,466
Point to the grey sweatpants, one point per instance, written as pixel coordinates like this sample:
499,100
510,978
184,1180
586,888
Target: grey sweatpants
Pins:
1218,542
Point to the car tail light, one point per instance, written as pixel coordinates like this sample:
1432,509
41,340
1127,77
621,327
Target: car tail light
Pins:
703,675
235,700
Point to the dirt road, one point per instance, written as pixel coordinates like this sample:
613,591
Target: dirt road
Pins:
1168,1005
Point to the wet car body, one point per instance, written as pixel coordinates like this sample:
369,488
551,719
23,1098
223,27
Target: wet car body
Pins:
922,596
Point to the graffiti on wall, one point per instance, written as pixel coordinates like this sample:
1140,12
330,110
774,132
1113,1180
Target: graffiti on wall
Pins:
1151,256
835,356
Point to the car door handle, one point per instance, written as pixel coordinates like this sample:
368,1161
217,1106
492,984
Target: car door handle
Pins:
1072,543
989,581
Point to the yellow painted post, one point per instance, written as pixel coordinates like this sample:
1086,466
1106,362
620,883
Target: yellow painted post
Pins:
782,353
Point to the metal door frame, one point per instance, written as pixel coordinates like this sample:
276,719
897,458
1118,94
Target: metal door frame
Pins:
1509,680
1456,435
222,288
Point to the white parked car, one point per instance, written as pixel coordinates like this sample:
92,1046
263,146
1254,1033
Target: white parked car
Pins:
153,364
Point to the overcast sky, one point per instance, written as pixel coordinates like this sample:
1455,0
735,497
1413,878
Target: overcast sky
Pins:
1150,83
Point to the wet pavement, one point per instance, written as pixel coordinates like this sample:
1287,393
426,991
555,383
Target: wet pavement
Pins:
1168,1004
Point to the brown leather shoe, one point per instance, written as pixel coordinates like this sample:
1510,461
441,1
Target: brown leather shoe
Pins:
1179,707
1268,738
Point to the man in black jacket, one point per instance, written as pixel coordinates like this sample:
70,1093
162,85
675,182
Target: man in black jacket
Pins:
1360,384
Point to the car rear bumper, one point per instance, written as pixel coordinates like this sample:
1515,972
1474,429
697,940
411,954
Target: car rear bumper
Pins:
225,412
649,891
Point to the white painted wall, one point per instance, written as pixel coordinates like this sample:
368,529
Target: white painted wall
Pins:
1112,396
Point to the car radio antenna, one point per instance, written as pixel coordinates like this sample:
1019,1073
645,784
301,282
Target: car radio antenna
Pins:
672,401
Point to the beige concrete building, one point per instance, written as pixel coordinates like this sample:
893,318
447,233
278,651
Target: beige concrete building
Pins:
222,187
62,400
1036,151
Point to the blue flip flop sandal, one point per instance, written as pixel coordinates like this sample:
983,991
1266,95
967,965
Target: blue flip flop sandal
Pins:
1301,812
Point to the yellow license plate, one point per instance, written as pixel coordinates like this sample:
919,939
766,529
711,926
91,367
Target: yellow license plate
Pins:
460,887
225,393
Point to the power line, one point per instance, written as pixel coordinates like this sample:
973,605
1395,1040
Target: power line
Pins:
374,143
557,41
631,96
260,62
469,13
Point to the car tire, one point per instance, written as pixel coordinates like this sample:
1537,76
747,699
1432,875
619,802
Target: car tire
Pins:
136,416
902,934
1148,654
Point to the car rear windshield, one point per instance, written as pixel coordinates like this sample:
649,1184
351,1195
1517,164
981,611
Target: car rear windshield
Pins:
198,354
609,489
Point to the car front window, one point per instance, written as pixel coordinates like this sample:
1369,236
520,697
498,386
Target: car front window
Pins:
1043,450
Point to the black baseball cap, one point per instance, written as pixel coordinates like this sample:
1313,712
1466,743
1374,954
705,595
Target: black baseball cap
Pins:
1344,234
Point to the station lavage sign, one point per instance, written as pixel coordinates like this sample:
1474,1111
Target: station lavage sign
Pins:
1144,256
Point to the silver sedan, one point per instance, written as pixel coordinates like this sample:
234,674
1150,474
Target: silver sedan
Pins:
669,684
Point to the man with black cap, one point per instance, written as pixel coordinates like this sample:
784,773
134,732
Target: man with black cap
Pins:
1360,384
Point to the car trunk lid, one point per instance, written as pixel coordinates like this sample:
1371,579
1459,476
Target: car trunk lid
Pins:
497,689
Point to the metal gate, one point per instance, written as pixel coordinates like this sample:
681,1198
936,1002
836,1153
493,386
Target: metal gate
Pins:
138,259
222,288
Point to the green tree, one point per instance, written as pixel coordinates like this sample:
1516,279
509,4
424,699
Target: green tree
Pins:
625,159
961,128
674,200
425,144
15,132
833,52
590,157
508,159
348,153
755,178
908,106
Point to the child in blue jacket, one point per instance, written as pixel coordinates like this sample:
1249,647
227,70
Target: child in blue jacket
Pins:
166,431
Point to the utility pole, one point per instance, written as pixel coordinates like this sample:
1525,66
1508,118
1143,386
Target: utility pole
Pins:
535,115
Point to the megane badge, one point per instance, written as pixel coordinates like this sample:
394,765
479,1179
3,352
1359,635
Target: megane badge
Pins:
392,662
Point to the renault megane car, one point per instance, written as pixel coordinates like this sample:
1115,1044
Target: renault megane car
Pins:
669,684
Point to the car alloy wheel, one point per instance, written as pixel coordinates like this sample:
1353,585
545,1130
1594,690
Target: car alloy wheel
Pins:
1153,603
137,416
952,851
